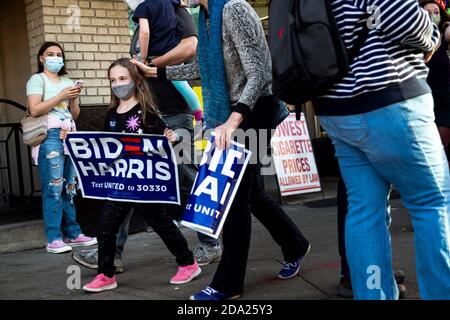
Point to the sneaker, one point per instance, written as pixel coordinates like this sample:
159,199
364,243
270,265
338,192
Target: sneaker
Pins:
58,246
101,283
81,241
205,254
291,269
402,291
186,274
345,288
118,265
211,294
87,258
399,276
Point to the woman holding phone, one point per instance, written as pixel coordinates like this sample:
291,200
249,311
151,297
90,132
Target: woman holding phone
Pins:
50,92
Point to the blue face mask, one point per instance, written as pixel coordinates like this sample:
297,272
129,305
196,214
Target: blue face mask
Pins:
54,64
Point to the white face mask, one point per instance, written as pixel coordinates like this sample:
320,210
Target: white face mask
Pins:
133,4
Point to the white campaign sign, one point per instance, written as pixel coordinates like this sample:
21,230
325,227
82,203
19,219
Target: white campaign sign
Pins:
294,158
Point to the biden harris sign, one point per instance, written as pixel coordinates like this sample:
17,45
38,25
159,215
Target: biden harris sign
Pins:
215,186
124,167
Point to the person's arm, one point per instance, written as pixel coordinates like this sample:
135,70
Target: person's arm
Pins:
74,108
244,30
186,49
38,107
403,21
183,52
181,72
144,38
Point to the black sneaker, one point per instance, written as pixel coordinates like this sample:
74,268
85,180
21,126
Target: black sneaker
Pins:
345,288
399,276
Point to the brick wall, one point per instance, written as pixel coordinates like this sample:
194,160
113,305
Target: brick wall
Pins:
92,33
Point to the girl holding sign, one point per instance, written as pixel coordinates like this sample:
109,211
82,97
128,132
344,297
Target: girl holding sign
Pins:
133,111
234,65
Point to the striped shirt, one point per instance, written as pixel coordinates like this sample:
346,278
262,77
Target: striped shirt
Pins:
390,65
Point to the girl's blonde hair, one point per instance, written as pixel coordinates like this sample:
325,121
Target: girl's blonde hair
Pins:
143,93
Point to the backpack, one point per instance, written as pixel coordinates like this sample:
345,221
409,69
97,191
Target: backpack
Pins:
308,53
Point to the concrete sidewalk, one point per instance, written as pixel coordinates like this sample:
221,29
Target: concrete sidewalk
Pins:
36,274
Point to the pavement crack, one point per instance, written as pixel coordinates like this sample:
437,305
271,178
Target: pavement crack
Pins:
315,287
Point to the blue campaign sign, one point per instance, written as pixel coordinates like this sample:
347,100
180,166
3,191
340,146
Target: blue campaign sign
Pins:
124,167
214,188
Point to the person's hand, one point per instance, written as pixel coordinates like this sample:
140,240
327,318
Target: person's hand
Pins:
149,72
225,131
69,93
63,134
170,135
138,58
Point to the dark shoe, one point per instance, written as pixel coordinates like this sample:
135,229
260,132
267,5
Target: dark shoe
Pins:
290,269
345,288
399,276
87,258
402,291
211,294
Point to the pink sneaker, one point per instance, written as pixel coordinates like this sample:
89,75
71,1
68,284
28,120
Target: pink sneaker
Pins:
101,283
81,241
186,274
58,246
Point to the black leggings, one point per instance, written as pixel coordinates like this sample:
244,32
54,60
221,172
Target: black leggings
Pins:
112,217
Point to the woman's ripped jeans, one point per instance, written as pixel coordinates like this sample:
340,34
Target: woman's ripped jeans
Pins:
57,175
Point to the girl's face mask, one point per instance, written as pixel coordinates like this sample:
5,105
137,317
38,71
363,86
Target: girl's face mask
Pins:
125,91
54,64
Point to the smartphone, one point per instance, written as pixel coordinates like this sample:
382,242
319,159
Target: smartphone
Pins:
78,84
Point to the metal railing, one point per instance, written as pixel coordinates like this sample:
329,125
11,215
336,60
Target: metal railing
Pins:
14,132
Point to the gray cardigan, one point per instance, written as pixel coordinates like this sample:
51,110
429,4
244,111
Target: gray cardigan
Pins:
247,59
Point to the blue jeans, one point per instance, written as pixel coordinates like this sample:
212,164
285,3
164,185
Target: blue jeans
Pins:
400,145
56,173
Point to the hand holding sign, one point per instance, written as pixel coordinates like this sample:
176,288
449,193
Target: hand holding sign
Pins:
224,132
125,167
215,186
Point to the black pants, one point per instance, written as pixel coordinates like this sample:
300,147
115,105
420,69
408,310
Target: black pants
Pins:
250,198
112,217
